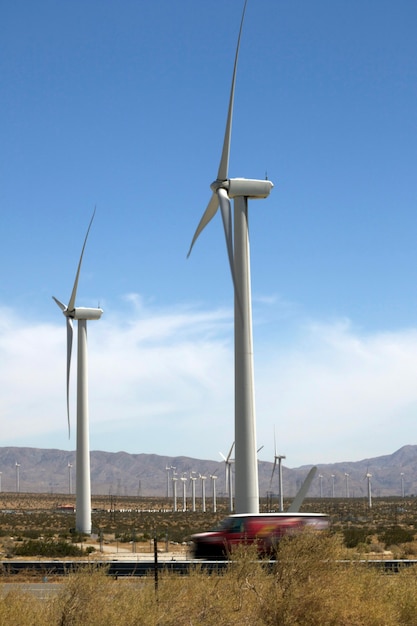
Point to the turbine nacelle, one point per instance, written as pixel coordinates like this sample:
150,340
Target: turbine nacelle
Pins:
84,313
80,312
244,187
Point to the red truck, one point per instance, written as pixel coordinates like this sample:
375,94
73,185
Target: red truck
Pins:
264,529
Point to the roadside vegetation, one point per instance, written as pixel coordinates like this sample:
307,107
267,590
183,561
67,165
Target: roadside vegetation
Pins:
36,524
311,585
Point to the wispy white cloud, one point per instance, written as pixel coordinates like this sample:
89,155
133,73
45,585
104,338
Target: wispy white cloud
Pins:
340,394
161,380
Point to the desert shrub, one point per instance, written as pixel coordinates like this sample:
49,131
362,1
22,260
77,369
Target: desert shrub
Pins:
21,609
128,537
355,535
311,584
376,547
77,537
410,549
47,548
395,535
32,533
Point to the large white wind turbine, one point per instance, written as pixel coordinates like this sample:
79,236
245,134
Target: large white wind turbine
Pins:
239,189
83,479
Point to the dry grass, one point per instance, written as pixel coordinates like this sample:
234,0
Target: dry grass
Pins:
308,588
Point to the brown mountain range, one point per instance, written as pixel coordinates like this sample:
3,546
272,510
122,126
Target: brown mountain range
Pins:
120,473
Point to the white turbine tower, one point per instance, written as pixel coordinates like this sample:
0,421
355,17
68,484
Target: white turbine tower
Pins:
174,490
228,475
184,492
279,458
83,479
213,483
368,477
239,189
203,493
193,478
17,466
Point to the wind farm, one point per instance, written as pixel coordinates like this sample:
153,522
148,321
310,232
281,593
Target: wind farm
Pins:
307,305
334,359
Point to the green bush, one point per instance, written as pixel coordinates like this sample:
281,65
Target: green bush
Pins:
47,548
395,535
353,536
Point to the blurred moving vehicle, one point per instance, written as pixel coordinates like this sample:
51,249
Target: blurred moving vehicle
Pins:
264,529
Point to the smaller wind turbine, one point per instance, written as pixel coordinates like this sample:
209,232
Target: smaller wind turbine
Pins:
347,484
203,492
193,478
368,477
168,470
174,489
333,478
82,315
184,492
213,483
321,484
279,458
69,477
17,465
228,477
402,485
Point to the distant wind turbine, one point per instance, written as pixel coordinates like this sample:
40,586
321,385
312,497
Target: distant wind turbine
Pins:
213,483
184,492
368,477
279,458
193,478
83,479
228,475
174,489
203,492
17,465
333,477
321,484
347,484
224,189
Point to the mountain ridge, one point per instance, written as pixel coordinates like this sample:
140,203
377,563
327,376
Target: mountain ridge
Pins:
44,470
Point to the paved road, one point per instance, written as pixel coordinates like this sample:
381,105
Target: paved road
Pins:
40,590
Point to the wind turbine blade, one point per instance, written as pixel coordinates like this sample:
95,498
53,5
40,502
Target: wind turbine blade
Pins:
230,451
223,457
208,215
59,303
224,161
226,211
273,471
299,498
70,333
71,303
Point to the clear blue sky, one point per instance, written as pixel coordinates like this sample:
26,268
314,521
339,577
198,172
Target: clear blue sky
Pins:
123,105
